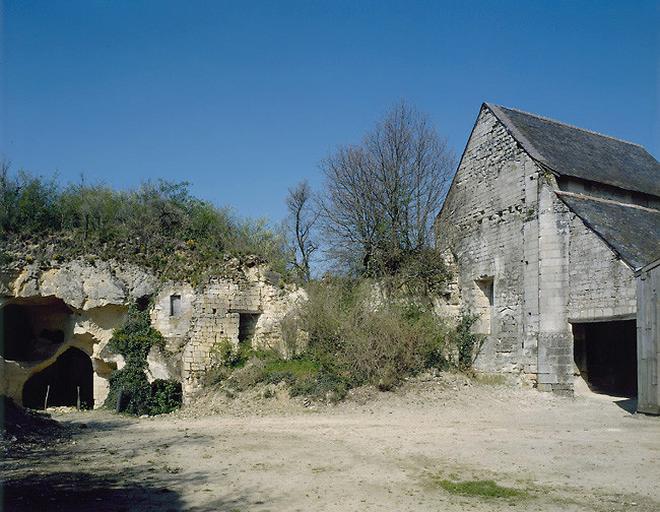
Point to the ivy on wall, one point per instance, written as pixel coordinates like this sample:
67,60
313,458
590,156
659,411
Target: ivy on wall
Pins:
130,390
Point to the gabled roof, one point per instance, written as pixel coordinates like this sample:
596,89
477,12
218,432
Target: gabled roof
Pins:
633,232
570,151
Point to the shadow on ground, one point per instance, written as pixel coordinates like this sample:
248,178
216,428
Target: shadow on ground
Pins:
79,491
627,404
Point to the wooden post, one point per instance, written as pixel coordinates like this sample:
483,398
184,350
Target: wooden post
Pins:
78,400
46,399
120,399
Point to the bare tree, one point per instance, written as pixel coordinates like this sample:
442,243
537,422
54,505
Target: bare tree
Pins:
382,195
302,217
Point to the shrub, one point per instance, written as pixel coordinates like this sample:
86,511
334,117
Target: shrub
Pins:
130,391
158,225
166,396
466,342
358,342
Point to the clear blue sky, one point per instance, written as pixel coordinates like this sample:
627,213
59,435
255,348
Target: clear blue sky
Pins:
243,99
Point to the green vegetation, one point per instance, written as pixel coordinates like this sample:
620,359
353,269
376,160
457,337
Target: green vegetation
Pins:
158,225
481,489
466,341
354,338
130,390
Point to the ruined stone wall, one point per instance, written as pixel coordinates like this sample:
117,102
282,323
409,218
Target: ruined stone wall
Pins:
489,223
85,302
217,314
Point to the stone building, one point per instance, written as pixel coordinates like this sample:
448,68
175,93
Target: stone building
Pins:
547,224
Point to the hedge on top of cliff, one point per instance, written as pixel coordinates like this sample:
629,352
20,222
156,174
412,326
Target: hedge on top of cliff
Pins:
159,225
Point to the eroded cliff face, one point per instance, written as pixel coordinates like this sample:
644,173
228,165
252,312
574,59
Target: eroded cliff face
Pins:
56,322
46,312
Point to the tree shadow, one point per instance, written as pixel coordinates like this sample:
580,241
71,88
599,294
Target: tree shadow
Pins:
80,491
44,474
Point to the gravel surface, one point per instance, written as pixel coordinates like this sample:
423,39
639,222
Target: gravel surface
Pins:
374,451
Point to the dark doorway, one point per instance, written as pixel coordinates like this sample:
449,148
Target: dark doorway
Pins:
68,376
247,326
606,356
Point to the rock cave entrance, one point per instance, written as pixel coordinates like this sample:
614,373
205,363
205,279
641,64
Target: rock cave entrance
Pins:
606,356
33,329
68,381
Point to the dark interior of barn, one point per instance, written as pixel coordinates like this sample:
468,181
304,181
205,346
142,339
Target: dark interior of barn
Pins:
606,356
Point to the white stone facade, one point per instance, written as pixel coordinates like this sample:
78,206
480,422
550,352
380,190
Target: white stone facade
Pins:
526,264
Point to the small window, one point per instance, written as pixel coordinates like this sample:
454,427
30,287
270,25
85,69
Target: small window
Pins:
484,301
487,288
175,305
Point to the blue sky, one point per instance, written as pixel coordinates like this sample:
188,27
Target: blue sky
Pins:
243,99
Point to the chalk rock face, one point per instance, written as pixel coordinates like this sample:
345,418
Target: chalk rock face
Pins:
86,286
65,312
52,315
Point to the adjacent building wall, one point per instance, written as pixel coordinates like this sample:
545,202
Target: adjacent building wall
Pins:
648,338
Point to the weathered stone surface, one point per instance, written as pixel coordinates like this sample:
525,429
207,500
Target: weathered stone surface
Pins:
504,224
94,300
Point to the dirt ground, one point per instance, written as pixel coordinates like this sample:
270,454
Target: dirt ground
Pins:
376,451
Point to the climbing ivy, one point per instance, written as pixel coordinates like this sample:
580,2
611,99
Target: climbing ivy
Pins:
130,390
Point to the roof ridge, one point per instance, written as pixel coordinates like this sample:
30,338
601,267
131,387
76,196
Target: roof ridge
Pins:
593,132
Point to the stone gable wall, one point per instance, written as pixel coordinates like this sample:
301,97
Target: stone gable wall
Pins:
489,224
503,220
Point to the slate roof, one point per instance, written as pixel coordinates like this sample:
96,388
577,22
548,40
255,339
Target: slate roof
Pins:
633,232
571,151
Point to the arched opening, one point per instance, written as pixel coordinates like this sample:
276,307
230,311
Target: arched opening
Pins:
68,381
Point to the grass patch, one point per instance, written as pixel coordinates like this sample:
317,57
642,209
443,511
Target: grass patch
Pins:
491,379
481,489
296,368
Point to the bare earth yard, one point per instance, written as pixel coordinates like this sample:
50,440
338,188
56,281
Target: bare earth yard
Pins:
376,451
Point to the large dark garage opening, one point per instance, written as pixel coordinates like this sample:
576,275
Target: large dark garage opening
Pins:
68,376
606,356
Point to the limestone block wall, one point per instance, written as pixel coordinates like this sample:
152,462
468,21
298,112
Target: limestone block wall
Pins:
217,312
489,224
555,349
601,285
525,263
174,326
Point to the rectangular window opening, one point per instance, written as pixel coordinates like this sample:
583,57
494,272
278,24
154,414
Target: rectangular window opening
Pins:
484,302
487,288
175,305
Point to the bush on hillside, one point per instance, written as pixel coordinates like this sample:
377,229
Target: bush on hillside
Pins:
159,225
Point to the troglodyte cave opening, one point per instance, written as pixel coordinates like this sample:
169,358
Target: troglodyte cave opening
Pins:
247,326
68,381
33,329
